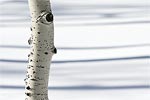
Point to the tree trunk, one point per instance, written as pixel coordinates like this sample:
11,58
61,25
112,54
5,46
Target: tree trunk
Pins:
42,50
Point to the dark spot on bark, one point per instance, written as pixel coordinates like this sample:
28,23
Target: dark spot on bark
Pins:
31,28
31,60
49,17
33,72
28,55
29,67
31,53
37,61
40,66
28,76
34,79
54,50
38,32
28,88
46,53
34,27
28,94
29,41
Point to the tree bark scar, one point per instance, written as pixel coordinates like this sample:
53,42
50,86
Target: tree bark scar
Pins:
49,17
54,50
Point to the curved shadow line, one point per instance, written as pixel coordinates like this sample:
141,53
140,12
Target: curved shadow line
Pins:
81,48
81,61
83,87
110,23
88,24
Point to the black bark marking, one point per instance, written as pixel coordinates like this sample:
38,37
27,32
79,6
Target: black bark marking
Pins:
38,32
28,94
31,65
29,41
31,28
25,79
40,66
46,53
49,17
34,79
54,50
31,53
28,88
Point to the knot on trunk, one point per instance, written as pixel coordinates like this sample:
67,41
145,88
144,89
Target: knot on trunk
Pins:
45,18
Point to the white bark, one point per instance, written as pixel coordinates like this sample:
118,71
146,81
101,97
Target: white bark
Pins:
42,49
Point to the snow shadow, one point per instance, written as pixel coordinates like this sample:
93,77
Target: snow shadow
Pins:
81,61
81,48
73,12
82,87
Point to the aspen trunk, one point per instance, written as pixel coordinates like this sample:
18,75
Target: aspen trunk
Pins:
42,50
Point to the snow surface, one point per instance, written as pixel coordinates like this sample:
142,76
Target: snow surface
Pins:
103,49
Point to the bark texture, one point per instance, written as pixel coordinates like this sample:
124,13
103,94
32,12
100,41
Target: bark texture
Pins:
42,50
